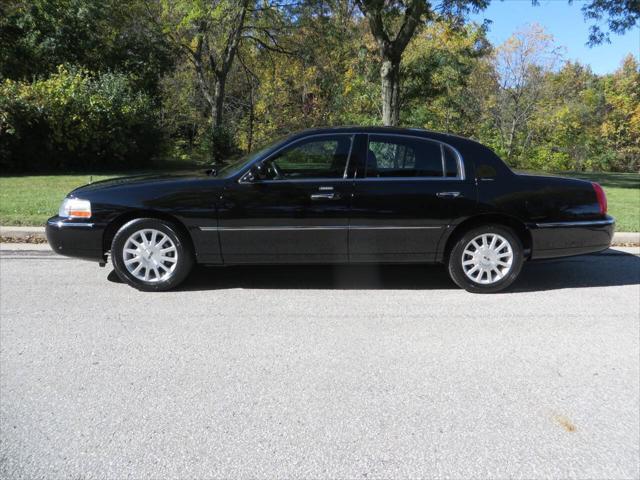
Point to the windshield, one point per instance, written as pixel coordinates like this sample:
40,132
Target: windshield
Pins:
234,165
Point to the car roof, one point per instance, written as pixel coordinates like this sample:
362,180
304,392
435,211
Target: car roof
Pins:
468,147
422,132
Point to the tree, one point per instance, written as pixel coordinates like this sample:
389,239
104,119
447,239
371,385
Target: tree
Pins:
74,120
621,16
437,70
520,66
564,129
209,32
391,48
39,35
621,127
383,15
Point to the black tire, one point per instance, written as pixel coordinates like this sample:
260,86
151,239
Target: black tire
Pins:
183,263
456,257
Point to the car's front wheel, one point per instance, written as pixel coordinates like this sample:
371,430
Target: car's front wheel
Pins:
151,255
486,259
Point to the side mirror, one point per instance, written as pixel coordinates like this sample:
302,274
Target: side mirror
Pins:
256,173
260,171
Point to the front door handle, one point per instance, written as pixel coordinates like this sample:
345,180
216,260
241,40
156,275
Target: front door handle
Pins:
325,196
447,194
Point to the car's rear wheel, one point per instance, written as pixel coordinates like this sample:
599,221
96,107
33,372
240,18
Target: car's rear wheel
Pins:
151,255
486,259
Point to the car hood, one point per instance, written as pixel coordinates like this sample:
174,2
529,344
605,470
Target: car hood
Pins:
147,180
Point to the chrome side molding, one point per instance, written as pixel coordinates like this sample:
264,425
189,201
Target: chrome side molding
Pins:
320,227
577,223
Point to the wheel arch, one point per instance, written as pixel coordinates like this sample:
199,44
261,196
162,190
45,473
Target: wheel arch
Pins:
518,227
117,223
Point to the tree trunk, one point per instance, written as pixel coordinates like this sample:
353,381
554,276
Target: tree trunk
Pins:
390,76
512,135
391,49
251,120
218,100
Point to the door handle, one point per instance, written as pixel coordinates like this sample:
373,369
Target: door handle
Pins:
447,194
325,196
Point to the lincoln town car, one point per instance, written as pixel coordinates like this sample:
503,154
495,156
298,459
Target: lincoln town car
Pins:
335,196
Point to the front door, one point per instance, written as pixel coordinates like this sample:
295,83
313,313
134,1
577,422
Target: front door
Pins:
296,210
405,196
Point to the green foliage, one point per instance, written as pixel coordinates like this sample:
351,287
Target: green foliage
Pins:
105,35
437,69
75,120
621,127
202,79
620,16
539,113
221,144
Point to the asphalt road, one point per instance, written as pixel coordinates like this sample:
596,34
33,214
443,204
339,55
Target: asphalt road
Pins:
283,372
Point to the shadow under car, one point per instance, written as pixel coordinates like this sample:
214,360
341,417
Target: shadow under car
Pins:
605,269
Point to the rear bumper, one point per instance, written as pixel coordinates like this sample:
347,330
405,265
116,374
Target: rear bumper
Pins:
563,239
75,239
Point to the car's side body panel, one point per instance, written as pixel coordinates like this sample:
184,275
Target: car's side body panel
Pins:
562,215
403,220
285,221
190,200
368,219
571,238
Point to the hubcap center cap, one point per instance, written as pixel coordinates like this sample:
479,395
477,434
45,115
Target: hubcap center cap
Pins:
487,258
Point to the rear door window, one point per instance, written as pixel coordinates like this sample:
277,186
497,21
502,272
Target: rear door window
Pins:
390,156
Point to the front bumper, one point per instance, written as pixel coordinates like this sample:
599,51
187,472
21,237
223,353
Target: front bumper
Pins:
562,239
75,238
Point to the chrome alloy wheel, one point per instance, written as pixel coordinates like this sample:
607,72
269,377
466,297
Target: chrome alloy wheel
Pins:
150,255
487,258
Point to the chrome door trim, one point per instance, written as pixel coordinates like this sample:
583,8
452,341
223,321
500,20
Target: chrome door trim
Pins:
320,227
393,227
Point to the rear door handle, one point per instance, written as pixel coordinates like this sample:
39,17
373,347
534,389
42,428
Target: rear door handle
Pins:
447,194
325,196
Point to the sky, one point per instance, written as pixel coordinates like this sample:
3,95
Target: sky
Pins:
567,25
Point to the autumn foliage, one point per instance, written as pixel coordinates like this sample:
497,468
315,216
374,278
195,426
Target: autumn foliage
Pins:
115,84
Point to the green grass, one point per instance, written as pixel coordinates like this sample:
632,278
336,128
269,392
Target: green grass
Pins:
30,200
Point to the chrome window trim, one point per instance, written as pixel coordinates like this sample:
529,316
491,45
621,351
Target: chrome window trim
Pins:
242,179
408,179
461,170
301,180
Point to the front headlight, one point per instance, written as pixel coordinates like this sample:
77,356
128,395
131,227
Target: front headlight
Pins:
75,208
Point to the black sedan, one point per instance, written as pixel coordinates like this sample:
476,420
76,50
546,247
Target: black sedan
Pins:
337,195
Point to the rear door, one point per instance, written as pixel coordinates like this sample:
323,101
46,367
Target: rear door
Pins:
406,193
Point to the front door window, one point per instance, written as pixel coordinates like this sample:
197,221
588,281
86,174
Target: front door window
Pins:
323,157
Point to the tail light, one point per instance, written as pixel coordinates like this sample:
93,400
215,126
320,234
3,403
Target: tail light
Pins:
602,198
